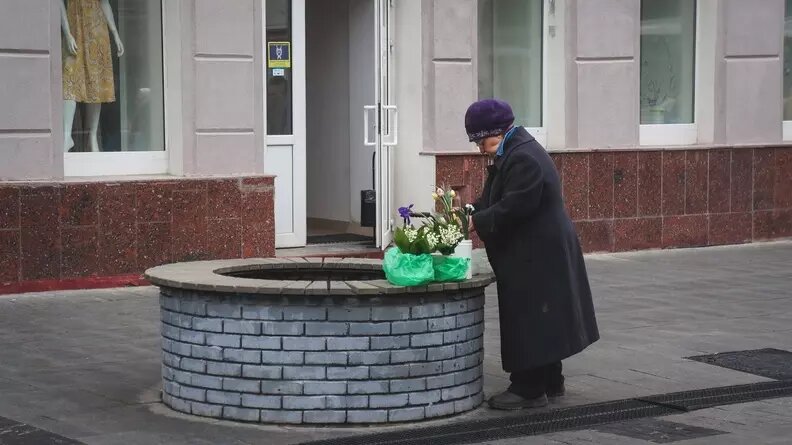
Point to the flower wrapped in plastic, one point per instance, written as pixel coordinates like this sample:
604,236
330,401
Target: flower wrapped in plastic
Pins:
410,262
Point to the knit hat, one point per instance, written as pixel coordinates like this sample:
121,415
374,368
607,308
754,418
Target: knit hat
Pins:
488,117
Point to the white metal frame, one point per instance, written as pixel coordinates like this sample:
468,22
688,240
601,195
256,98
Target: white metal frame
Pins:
140,162
386,138
787,128
679,134
297,140
540,133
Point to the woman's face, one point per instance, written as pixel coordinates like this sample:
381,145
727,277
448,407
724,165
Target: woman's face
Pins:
489,145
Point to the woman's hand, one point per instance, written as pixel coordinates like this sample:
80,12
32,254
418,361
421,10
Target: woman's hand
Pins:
471,226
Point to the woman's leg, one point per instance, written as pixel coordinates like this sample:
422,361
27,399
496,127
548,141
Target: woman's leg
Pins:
526,391
529,383
554,380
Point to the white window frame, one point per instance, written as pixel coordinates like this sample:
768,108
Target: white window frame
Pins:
677,134
787,129
122,163
540,133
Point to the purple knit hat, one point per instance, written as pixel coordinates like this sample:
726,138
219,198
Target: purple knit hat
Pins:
488,117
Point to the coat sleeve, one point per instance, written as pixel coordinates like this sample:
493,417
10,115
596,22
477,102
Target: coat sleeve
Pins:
522,193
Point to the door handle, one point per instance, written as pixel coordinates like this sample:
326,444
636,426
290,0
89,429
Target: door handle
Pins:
367,109
392,110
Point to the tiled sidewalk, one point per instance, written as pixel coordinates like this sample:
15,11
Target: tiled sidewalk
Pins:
85,364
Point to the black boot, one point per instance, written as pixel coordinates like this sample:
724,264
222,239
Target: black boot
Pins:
510,401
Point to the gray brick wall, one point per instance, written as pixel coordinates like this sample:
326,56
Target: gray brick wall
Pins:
371,361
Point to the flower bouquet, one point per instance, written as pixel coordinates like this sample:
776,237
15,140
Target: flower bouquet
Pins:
452,231
410,262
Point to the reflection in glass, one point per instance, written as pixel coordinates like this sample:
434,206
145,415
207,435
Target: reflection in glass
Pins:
668,43
788,61
113,102
279,77
510,56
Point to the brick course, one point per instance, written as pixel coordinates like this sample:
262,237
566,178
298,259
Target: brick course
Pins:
381,360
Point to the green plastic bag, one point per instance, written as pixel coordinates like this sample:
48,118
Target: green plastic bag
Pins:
448,268
404,269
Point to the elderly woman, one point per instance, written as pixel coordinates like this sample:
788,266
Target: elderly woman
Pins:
544,298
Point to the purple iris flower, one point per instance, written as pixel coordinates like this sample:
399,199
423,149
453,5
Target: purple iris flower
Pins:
405,213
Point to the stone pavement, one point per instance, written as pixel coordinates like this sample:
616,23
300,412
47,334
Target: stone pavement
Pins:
85,364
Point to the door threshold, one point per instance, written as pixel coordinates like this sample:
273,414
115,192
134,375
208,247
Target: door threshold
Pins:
340,250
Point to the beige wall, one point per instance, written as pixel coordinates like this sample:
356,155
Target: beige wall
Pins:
214,97
749,72
30,93
602,77
449,69
222,87
215,87
593,69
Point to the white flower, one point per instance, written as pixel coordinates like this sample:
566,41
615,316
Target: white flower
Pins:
450,235
431,240
470,208
411,234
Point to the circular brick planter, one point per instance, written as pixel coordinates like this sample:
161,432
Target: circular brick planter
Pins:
307,341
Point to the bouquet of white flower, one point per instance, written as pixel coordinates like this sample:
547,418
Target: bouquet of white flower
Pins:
410,263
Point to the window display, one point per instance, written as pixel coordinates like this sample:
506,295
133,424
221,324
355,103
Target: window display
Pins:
112,92
510,56
668,44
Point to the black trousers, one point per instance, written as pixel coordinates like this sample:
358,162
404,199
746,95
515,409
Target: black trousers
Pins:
532,383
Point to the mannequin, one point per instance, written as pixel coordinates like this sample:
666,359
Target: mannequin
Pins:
87,68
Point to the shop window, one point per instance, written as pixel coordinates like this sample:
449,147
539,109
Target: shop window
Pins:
510,59
788,71
280,78
112,74
668,69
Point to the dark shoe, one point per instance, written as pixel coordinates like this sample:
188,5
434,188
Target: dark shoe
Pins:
556,391
511,401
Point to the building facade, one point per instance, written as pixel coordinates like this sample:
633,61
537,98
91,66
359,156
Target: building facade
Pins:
140,132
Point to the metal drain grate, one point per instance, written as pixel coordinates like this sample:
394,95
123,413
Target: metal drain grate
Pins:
728,395
770,363
16,433
578,417
658,431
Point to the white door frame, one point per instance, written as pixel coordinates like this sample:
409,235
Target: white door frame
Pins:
387,121
284,156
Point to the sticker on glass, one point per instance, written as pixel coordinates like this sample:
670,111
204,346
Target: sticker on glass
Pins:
279,55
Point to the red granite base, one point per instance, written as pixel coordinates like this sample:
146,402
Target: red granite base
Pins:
59,235
649,199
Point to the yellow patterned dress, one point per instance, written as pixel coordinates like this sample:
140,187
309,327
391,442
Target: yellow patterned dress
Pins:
88,75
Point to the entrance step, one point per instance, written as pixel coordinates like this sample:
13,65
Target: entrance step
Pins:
331,250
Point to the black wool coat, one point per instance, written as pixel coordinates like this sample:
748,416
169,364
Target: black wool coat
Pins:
544,298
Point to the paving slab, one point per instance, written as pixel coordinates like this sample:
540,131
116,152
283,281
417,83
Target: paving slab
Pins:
86,364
